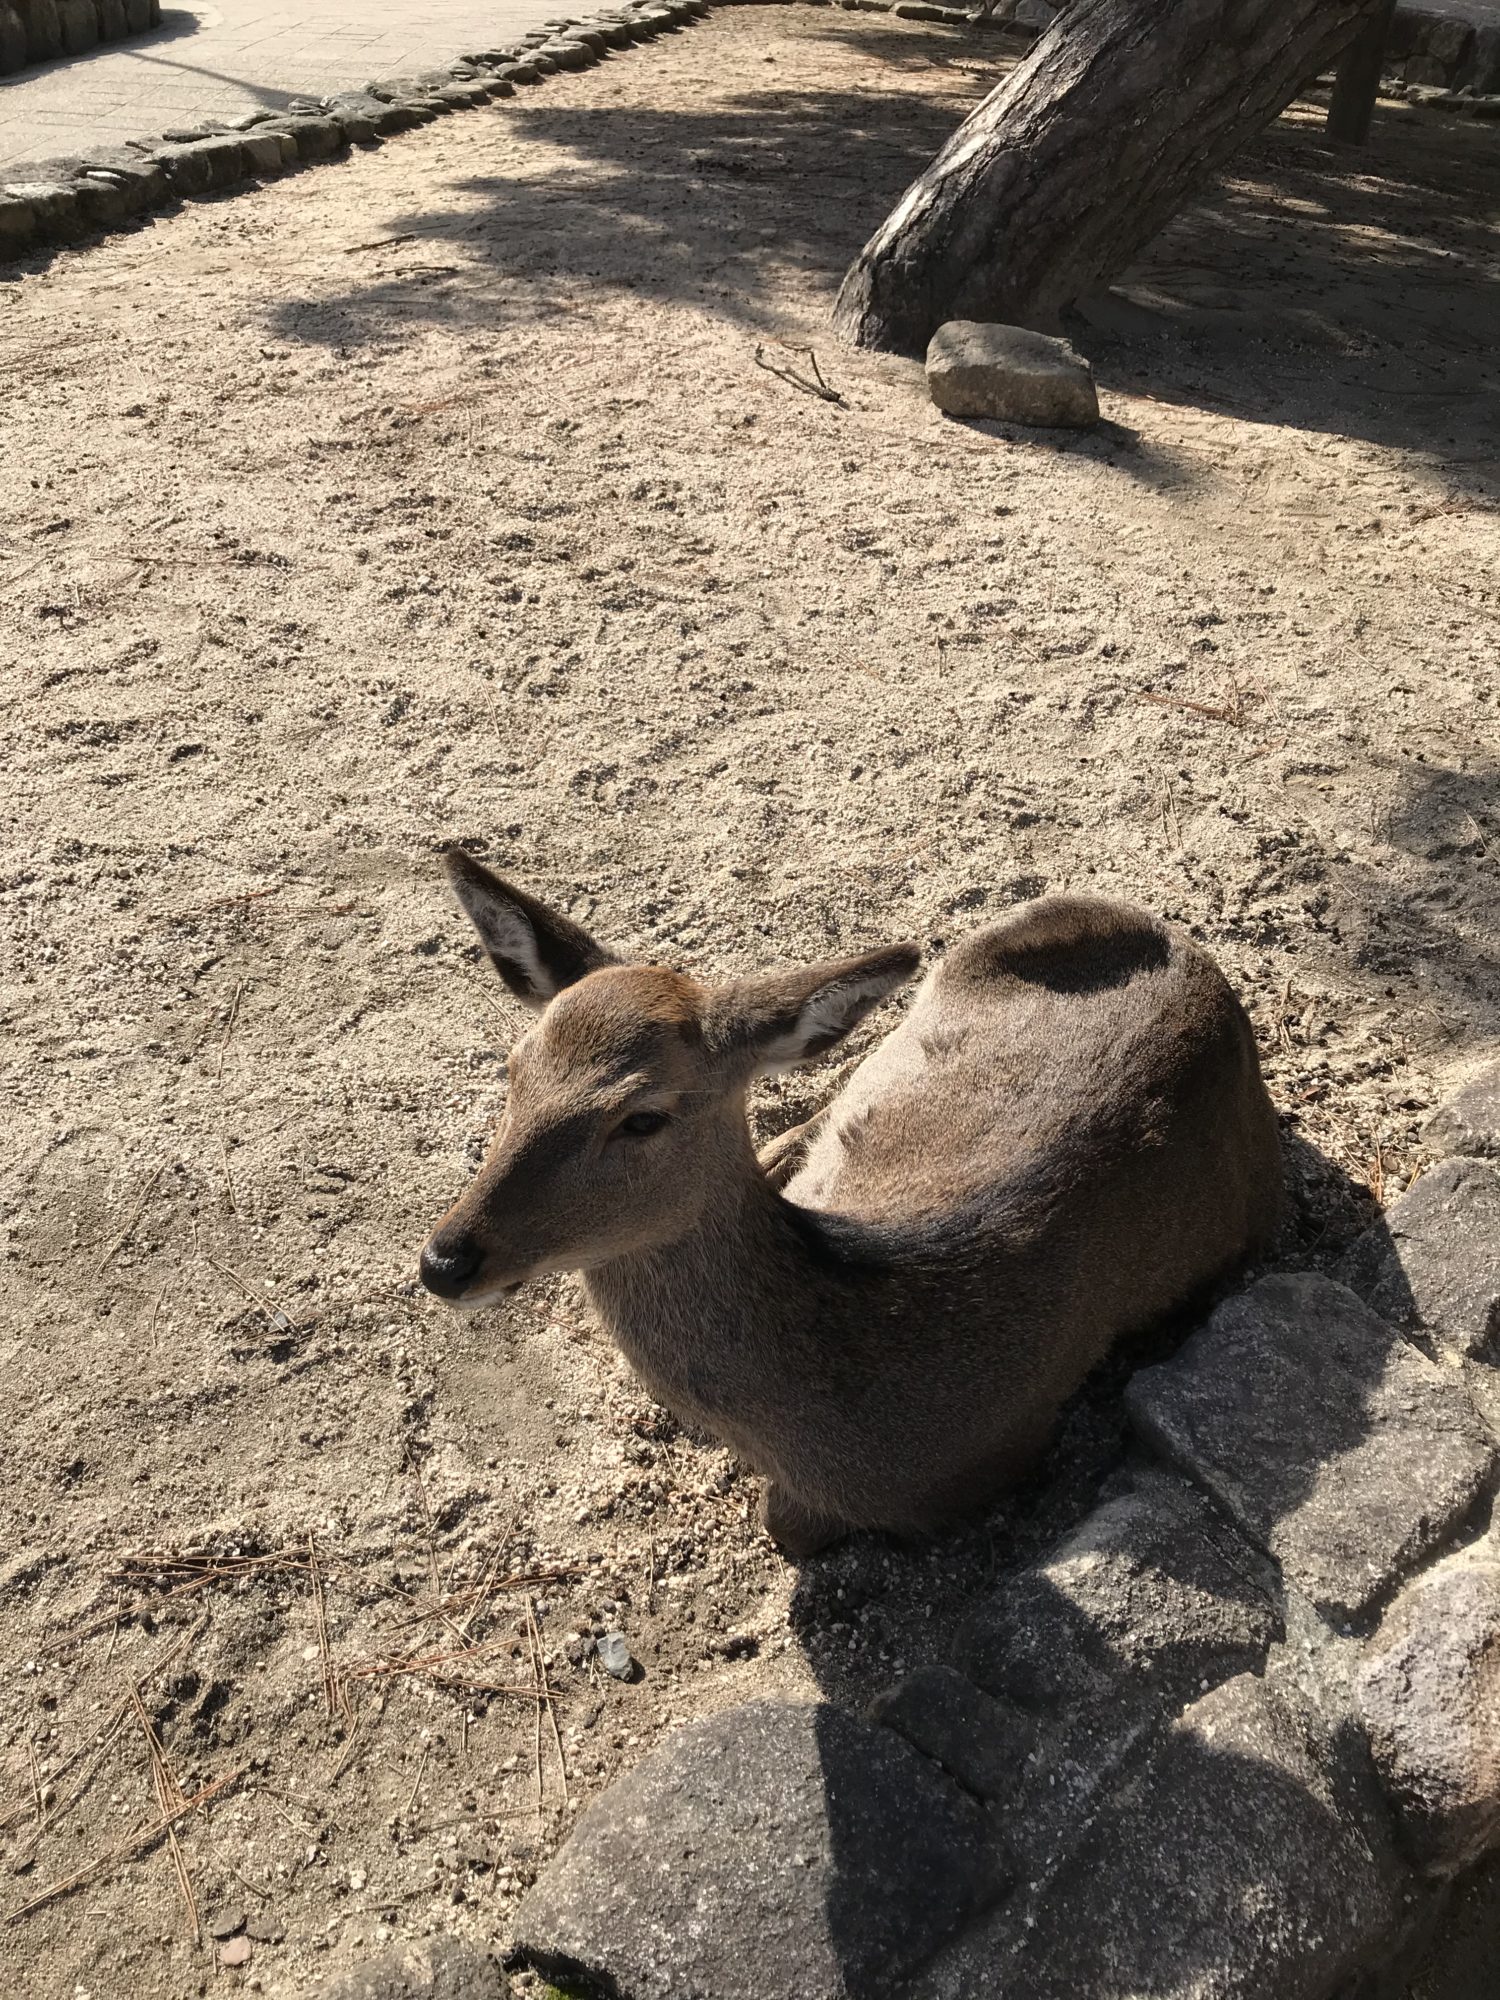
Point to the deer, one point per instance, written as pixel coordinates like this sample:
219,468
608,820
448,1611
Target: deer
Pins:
1066,1137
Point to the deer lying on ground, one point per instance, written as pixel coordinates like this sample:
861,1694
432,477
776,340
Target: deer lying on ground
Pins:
1067,1135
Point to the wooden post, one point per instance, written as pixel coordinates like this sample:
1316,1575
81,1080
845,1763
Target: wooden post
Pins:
1357,81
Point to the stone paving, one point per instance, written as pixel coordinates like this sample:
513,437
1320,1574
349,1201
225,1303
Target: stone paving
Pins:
246,55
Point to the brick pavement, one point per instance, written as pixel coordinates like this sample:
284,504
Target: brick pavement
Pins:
243,55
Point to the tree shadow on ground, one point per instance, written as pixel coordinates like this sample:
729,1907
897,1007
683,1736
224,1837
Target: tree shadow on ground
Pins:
1340,292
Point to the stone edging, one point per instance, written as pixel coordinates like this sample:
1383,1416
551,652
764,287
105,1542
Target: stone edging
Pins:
64,201
1237,1733
38,31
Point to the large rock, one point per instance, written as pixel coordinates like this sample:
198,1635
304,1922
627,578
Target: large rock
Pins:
1334,1444
1470,1122
12,40
1245,1859
435,1969
1429,1694
1433,1260
781,1849
1152,1599
975,370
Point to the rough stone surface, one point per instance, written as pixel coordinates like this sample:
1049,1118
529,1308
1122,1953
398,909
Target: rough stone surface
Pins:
201,164
1333,1443
980,1742
1433,1260
17,223
1153,1598
435,1969
977,370
1429,1695
1247,1857
780,1848
80,26
1469,1123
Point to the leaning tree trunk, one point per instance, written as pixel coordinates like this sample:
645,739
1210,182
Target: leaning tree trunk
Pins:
1078,158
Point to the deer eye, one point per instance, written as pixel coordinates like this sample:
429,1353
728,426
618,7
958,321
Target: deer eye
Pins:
641,1124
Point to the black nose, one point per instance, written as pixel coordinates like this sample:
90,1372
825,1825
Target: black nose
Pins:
447,1264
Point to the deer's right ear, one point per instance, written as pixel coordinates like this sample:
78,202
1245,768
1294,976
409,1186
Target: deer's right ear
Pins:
536,951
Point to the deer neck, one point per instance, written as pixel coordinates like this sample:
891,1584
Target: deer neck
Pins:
705,1319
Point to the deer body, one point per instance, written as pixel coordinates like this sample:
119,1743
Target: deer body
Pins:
1066,1136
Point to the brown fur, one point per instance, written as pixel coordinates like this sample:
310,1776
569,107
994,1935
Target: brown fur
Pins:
1066,1136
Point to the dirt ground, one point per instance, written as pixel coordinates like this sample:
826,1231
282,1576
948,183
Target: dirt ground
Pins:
450,494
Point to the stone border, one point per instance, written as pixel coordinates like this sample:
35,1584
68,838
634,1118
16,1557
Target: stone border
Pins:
65,201
1237,1734
38,31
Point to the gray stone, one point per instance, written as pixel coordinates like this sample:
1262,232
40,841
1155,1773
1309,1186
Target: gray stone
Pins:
1008,372
568,55
1329,1439
1484,73
103,201
203,164
80,26
138,17
111,20
518,72
435,1969
43,31
18,224
778,1849
264,151
12,41
1469,1123
981,1743
614,1656
1429,1696
1152,1599
54,206
318,137
1433,1260
1246,1859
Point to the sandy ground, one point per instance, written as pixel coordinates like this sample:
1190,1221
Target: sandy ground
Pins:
440,495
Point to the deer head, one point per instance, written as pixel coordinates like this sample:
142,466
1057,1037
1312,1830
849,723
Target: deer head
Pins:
625,1118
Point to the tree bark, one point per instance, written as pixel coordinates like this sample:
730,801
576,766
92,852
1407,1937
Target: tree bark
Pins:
1050,188
1357,84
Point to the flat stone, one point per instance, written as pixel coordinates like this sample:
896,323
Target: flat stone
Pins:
518,72
1428,1690
1332,1443
54,206
1469,1123
238,1951
1433,1260
981,1743
779,1849
1246,1859
1010,373
318,137
1152,1599
434,1969
18,225
201,164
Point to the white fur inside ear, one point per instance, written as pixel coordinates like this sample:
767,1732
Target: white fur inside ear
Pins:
507,936
826,1017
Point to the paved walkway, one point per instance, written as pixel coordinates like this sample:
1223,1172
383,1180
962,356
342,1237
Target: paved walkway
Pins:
244,55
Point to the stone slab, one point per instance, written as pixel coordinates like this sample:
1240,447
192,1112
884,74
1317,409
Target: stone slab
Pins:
1330,1441
975,369
1433,1260
1428,1690
1470,1122
780,1849
1247,1859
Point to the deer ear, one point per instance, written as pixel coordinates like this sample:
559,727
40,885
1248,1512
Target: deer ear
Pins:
784,1018
536,951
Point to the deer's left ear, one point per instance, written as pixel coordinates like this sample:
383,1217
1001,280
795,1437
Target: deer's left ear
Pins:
784,1018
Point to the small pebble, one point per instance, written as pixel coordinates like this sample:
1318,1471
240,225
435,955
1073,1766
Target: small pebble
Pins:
236,1952
226,1923
614,1656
